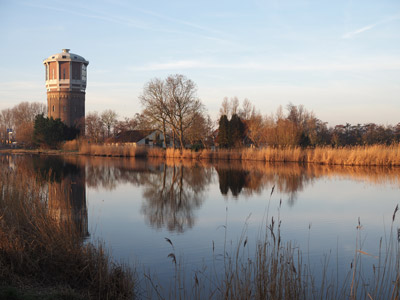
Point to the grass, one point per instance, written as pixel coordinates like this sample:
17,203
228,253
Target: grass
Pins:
39,252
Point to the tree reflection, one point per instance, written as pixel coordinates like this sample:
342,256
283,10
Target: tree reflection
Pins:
173,194
233,180
172,191
248,178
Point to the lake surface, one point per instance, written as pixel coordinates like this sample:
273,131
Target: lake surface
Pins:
202,207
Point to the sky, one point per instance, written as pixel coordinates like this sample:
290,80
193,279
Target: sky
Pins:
340,59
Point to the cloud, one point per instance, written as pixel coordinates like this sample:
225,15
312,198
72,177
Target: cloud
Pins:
149,25
351,34
386,63
94,15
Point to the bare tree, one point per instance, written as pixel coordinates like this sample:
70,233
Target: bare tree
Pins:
24,115
109,119
201,130
25,133
171,103
255,128
94,127
125,125
225,108
26,112
144,122
182,105
247,109
234,105
154,101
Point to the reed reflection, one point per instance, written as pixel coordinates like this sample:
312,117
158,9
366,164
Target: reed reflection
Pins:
109,173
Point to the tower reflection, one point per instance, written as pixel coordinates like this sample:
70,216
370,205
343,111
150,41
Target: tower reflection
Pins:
66,192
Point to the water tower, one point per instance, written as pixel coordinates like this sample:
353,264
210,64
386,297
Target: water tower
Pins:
66,85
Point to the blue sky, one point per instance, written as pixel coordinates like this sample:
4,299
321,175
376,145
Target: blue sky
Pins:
340,59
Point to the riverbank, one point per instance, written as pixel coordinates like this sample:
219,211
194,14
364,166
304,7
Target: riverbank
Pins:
376,155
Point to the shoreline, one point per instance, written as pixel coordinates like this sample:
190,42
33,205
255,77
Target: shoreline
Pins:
375,155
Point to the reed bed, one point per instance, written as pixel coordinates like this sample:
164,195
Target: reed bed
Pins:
375,155
70,145
41,252
113,150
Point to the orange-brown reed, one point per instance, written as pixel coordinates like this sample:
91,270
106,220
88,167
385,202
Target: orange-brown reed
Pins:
37,250
115,150
376,155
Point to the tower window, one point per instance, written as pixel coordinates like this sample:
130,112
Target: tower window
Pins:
63,73
64,56
53,107
53,73
64,108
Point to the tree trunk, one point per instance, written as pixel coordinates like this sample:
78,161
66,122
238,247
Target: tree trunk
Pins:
164,134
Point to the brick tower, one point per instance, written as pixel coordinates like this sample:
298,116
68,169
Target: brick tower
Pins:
66,84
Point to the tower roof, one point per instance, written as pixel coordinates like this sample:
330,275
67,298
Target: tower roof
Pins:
65,55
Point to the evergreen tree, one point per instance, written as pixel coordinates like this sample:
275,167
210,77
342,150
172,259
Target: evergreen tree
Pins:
51,132
223,132
236,131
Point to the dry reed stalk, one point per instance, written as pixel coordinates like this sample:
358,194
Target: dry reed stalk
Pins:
170,152
222,154
276,271
185,154
206,154
377,155
70,145
235,155
156,152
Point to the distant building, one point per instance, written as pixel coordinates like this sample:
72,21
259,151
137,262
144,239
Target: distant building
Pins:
151,138
66,85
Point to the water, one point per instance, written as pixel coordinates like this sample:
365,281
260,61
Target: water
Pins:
134,205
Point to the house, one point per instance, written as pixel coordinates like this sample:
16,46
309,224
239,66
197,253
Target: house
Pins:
150,138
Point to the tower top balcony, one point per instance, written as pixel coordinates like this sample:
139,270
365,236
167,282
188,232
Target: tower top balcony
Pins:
65,55
65,71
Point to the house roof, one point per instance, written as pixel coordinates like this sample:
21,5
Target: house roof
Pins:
132,136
